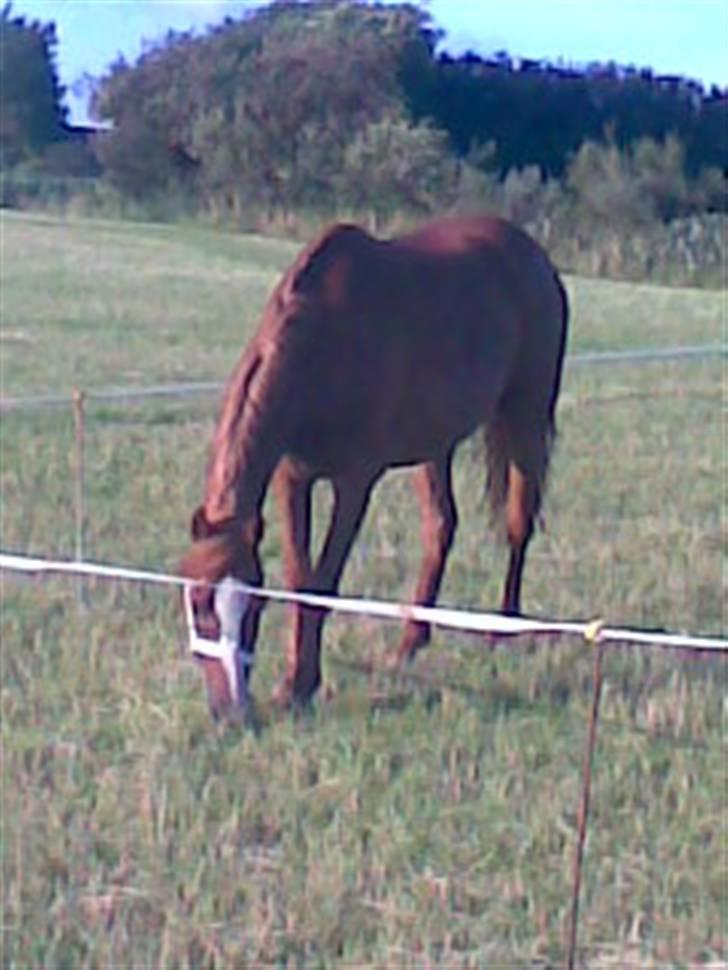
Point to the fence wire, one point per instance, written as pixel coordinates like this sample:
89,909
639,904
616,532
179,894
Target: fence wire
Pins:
191,389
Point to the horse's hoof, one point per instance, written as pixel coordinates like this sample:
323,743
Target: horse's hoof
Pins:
492,640
392,661
286,697
282,696
399,660
233,715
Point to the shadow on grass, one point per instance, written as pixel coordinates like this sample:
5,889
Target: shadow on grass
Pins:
393,690
518,682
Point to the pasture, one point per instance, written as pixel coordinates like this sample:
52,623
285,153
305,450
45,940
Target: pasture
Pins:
420,819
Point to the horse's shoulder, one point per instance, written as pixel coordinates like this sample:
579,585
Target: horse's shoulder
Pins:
337,237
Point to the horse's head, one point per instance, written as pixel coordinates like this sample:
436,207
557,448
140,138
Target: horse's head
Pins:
222,618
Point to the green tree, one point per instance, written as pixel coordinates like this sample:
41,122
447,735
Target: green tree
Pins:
147,109
31,113
659,171
260,110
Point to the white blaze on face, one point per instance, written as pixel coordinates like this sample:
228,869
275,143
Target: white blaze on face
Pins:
230,604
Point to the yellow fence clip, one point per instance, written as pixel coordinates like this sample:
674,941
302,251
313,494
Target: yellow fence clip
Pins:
593,631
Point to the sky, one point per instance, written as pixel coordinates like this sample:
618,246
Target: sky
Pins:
683,37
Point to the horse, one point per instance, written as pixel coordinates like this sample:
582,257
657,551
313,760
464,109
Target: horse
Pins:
373,354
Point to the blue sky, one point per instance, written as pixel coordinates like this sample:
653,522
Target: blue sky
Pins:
687,37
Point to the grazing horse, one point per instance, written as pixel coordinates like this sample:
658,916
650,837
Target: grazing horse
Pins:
373,354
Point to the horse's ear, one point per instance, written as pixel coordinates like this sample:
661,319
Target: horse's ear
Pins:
199,526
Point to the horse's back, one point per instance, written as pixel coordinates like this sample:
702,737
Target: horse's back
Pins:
477,283
453,261
486,274
423,333
498,246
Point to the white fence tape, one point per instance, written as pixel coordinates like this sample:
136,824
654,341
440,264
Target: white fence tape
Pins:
186,389
455,619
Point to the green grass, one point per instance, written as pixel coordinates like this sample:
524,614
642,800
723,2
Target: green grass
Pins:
419,820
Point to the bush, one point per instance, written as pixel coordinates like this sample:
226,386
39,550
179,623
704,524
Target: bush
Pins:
25,187
394,165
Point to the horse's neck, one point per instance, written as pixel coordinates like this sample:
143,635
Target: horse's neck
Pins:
246,447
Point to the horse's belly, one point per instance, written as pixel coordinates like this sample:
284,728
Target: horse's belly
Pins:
399,411
429,415
420,438
335,447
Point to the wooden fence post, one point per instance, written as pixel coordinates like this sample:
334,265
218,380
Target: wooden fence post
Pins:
79,420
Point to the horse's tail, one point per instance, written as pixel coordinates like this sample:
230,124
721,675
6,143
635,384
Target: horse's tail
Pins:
516,442
497,458
561,352
522,430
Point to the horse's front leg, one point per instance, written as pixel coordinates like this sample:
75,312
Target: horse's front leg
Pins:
433,482
303,673
292,487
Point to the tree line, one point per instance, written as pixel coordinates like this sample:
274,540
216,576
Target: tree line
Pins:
342,104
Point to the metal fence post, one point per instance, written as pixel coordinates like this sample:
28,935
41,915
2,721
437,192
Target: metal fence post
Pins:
592,635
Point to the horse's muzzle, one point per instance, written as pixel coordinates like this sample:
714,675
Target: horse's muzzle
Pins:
225,662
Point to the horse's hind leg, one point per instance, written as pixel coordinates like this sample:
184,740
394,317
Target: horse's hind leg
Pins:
433,482
525,475
520,512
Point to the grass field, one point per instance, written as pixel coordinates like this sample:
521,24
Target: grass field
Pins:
419,820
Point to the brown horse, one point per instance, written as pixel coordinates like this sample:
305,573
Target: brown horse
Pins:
373,354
